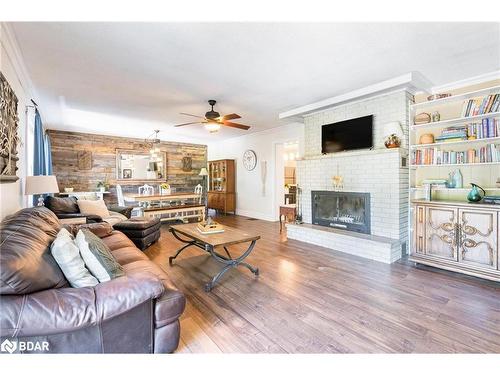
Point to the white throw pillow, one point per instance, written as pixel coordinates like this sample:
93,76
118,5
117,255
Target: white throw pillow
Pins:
88,207
67,256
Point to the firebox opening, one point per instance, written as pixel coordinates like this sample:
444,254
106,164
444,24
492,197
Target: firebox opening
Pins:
342,210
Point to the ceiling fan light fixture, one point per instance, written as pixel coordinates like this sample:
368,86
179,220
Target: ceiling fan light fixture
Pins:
212,127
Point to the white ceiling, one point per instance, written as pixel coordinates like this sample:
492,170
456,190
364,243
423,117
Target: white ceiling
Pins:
129,78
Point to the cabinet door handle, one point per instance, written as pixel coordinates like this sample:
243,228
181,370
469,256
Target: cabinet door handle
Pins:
459,235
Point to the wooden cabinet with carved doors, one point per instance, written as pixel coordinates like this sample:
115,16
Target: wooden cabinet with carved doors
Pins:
478,238
457,236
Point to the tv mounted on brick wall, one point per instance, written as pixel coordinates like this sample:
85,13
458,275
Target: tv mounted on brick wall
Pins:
353,134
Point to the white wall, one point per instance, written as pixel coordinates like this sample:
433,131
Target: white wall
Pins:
12,67
249,199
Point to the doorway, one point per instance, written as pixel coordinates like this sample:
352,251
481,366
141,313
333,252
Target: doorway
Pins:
286,180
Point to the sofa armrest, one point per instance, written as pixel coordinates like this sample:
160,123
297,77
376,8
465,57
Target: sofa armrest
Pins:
124,210
62,310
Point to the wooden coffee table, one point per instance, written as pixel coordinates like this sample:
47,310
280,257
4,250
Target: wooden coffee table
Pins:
189,234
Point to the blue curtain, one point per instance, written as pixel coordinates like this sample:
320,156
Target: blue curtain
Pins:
39,163
48,154
42,163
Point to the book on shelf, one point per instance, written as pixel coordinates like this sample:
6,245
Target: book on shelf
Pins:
481,105
489,153
487,128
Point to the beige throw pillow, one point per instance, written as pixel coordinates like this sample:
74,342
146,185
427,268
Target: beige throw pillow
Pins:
88,207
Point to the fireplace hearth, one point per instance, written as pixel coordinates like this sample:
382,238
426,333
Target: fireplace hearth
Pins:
343,210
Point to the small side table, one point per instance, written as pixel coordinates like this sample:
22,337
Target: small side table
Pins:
289,212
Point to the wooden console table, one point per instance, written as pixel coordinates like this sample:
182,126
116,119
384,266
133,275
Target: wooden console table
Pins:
289,212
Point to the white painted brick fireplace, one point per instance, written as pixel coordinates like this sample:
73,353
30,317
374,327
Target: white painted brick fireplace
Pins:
379,172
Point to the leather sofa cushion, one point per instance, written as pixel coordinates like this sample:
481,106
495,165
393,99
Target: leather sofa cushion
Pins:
125,255
117,240
62,205
26,265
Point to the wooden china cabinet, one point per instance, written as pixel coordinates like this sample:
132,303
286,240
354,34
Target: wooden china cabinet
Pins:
221,186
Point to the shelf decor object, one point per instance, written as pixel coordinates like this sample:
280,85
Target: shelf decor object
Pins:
456,229
393,133
9,138
422,118
474,194
426,139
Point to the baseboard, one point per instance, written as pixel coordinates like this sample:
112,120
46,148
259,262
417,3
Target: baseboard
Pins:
255,215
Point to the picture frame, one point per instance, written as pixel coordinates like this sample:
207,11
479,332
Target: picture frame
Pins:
127,174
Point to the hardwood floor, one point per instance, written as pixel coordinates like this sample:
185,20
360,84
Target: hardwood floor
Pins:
309,299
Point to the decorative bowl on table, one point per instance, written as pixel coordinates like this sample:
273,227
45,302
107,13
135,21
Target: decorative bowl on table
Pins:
68,190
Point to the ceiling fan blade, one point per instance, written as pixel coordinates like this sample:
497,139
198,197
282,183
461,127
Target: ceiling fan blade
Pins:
189,114
235,125
231,116
189,123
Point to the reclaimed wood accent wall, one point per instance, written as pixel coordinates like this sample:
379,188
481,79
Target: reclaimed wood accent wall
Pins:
67,145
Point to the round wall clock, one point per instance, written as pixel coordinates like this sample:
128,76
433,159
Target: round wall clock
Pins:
249,160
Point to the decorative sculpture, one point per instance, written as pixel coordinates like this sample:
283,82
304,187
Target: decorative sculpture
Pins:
8,132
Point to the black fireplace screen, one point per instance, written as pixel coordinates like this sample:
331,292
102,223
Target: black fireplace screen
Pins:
343,210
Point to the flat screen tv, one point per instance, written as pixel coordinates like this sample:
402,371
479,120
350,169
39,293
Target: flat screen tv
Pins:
346,135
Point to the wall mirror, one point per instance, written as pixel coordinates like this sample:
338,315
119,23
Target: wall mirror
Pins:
132,165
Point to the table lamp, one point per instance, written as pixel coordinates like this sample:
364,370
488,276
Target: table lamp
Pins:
41,185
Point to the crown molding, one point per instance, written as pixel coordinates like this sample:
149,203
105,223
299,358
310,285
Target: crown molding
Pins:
467,82
11,46
412,82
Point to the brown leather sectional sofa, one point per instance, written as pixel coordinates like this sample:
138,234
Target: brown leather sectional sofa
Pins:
136,313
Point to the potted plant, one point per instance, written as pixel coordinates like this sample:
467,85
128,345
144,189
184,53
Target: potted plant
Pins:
287,188
165,189
102,186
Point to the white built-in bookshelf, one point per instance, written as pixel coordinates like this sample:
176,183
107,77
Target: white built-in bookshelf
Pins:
477,155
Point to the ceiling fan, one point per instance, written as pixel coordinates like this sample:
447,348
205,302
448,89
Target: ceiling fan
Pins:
213,120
